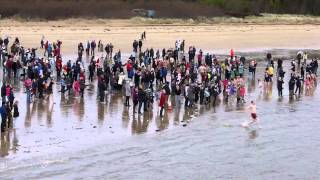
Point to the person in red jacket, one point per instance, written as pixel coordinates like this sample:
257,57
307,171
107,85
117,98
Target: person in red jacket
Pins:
58,66
130,69
162,101
59,44
76,88
232,54
46,48
56,52
9,66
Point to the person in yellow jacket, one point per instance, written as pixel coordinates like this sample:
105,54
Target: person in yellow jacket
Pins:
270,72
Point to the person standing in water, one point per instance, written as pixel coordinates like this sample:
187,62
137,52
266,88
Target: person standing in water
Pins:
280,86
298,85
253,112
291,86
162,102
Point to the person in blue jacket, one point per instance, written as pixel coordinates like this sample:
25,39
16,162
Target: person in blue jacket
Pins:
4,115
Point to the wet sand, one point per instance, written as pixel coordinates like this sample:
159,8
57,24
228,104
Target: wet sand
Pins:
68,138
218,38
72,138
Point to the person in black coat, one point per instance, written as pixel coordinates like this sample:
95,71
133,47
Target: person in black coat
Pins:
302,70
281,72
15,110
291,85
101,88
298,85
11,98
91,72
279,64
315,66
140,45
215,91
4,115
9,115
135,45
3,92
280,86
163,53
141,98
40,87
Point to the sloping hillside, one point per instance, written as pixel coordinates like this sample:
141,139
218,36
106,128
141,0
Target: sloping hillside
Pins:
57,9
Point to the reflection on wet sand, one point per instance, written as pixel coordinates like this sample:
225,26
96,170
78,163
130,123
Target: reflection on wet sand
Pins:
251,85
81,109
49,108
57,112
100,109
267,92
27,120
9,142
140,124
253,134
162,122
125,117
176,116
5,144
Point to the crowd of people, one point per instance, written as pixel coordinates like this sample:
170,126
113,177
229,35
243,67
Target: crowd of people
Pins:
302,75
11,63
171,77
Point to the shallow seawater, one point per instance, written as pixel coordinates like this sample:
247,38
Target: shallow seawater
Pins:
67,138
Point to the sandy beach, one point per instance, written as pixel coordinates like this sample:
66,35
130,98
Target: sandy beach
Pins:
217,38
66,137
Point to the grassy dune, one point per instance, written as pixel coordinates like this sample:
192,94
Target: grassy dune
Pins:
185,9
263,19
